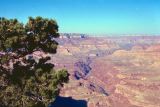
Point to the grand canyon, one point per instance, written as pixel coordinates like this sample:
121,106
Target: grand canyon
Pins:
110,71
80,53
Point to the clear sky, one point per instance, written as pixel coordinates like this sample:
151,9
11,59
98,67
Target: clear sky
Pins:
90,16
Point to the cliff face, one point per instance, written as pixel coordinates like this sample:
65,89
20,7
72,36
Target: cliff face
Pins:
111,71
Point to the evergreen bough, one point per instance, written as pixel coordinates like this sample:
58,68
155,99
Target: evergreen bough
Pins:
24,80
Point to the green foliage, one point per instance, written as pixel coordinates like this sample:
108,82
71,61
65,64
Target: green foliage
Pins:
10,32
25,81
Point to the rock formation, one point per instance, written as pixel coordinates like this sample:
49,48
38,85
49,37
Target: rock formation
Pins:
111,71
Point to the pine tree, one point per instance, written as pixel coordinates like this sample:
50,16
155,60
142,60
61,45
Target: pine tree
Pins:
24,79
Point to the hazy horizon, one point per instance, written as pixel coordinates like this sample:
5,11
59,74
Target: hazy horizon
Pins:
98,17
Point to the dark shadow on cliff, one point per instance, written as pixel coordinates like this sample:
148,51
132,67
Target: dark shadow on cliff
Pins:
68,102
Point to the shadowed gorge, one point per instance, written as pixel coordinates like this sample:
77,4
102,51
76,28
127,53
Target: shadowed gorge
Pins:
68,102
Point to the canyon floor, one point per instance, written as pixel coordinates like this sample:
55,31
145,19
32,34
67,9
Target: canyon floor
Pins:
111,71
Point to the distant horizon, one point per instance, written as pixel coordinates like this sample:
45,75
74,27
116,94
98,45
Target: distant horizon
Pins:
102,35
100,17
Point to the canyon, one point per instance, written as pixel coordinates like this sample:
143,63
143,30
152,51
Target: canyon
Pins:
117,71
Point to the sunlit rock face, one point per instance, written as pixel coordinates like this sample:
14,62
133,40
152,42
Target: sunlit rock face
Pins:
111,71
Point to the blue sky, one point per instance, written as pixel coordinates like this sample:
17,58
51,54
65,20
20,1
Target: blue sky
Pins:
90,16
